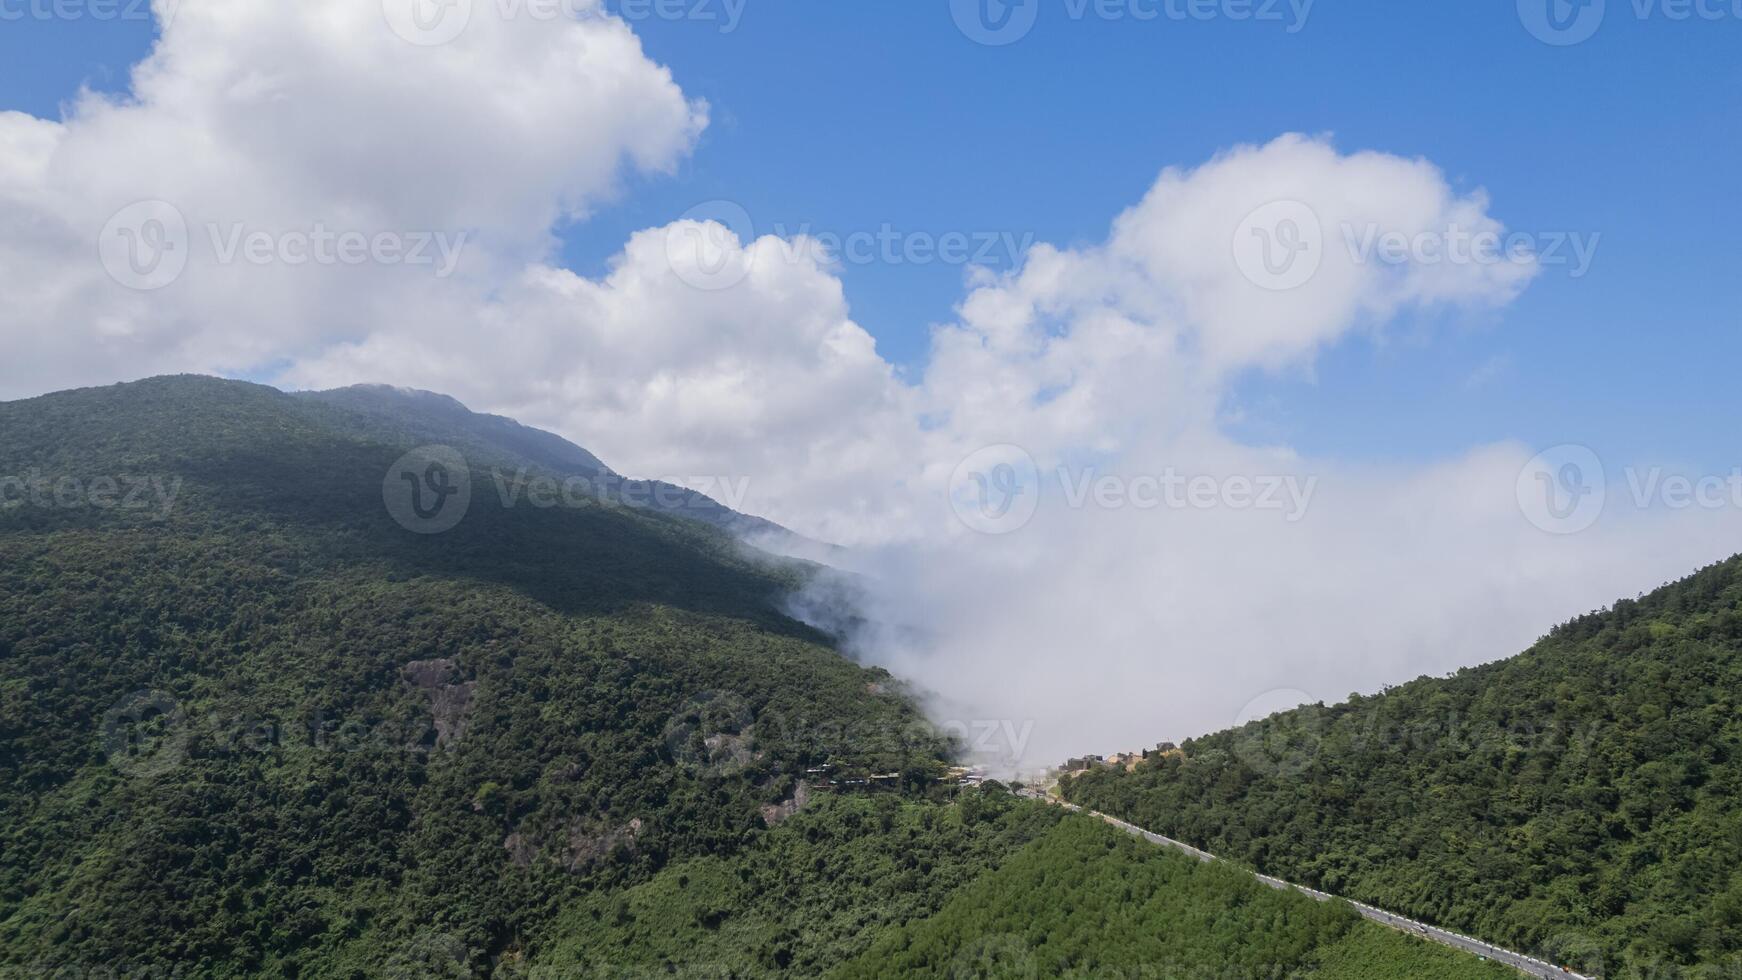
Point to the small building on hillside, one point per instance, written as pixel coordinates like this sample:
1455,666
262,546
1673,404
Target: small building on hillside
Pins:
965,776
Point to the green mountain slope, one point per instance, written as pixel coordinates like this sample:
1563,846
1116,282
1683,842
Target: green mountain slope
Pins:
1581,800
1090,901
250,725
992,886
414,418
258,719
805,899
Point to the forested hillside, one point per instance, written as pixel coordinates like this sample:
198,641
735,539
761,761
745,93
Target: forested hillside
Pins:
257,722
410,417
1089,901
1583,799
250,725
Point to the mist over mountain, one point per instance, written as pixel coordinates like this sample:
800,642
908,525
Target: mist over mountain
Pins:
1578,799
975,490
284,694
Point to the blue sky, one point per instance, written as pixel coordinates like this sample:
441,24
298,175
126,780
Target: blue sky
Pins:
1461,545
847,117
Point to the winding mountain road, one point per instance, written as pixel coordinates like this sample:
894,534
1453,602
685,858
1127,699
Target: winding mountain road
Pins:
1528,965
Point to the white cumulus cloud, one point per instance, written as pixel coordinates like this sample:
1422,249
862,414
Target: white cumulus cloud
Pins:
301,120
1147,593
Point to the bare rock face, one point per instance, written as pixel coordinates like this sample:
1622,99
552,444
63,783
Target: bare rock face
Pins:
773,813
521,849
449,696
428,675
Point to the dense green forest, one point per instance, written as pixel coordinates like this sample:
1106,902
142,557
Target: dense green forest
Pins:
806,898
258,728
1089,901
1579,800
253,724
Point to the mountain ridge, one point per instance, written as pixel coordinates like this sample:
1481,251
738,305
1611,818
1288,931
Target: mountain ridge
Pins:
270,730
1576,800
412,417
275,728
